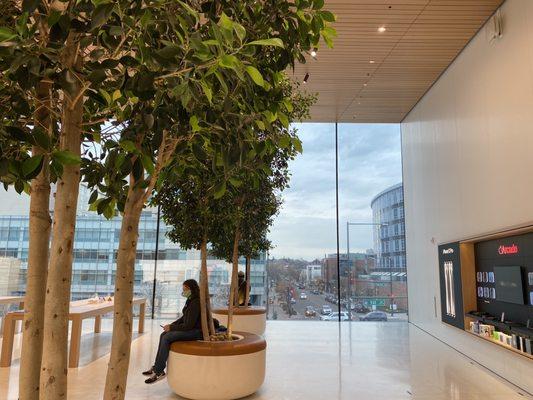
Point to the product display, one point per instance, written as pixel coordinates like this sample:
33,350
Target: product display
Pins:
531,298
530,278
485,277
479,277
450,295
491,277
492,293
479,291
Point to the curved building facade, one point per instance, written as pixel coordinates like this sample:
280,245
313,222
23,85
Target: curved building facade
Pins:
389,235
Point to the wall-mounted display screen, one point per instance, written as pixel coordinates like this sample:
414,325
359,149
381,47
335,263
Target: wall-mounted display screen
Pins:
509,284
450,285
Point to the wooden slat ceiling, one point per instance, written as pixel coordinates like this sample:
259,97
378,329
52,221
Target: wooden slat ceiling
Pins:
422,38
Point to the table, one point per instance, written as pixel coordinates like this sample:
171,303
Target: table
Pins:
11,300
79,310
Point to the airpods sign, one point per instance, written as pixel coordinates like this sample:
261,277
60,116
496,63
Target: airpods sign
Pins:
503,250
451,296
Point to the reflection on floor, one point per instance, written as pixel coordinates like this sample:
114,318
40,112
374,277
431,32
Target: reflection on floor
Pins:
307,361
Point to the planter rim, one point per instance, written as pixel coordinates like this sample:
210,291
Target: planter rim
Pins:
244,310
248,343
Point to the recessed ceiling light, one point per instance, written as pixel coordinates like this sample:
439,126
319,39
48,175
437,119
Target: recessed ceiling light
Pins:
371,61
313,53
364,84
382,29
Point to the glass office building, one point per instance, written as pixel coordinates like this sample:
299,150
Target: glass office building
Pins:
389,233
95,252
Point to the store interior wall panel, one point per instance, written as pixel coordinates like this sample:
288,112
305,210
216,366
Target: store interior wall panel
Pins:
467,165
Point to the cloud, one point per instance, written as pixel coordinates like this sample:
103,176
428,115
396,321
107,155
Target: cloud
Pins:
369,162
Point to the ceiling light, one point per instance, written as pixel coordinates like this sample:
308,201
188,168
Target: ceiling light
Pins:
313,53
364,84
382,29
306,77
371,61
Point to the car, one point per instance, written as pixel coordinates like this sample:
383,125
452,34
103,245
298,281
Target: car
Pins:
360,308
293,301
310,311
374,316
326,310
334,316
315,291
303,296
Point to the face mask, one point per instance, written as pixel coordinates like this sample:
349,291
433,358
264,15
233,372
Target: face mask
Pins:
186,293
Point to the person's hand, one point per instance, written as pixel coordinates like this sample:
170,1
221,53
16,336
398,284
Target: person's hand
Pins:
166,328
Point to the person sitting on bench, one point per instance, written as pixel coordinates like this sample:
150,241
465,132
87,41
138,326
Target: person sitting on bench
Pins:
188,327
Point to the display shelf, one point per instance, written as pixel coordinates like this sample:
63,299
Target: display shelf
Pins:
501,345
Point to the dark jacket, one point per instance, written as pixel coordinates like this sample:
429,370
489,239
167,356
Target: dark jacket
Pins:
191,316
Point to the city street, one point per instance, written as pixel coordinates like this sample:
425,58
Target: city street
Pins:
316,301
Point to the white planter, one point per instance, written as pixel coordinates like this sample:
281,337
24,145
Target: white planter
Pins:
217,370
245,319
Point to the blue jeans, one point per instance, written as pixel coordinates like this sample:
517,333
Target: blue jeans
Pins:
166,339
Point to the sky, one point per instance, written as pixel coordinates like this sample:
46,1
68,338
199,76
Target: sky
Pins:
369,162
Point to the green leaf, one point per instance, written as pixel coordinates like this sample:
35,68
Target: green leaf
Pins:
6,34
66,157
169,52
225,22
284,142
94,197
288,105
220,190
318,4
260,124
267,42
235,182
193,121
147,164
207,91
32,166
101,14
283,119
228,61
328,16
297,143
255,75
128,145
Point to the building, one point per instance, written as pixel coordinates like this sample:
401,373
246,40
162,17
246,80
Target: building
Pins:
95,251
389,232
9,275
313,272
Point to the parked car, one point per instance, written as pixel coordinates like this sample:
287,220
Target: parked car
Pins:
293,301
303,296
310,311
326,310
374,316
315,291
334,316
360,308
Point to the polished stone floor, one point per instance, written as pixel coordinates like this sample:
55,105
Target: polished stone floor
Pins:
309,360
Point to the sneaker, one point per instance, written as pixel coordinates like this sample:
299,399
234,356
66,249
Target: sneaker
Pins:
149,372
155,377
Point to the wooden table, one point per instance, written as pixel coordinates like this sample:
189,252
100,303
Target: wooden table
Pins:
79,310
11,300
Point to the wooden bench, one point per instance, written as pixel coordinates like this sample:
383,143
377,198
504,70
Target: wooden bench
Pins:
79,310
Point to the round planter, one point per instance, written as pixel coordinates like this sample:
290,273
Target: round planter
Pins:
203,370
245,319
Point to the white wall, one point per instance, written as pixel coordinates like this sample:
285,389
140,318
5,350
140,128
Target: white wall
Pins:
468,170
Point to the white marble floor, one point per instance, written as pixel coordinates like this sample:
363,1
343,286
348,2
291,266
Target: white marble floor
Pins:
309,360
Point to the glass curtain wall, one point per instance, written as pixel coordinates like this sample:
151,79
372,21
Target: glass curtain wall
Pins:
310,274
361,274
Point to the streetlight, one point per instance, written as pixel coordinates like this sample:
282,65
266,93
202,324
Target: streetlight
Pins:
348,224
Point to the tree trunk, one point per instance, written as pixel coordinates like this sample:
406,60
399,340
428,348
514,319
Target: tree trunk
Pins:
234,273
53,381
203,290
248,283
40,224
117,371
210,322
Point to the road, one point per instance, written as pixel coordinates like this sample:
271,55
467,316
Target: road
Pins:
316,301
